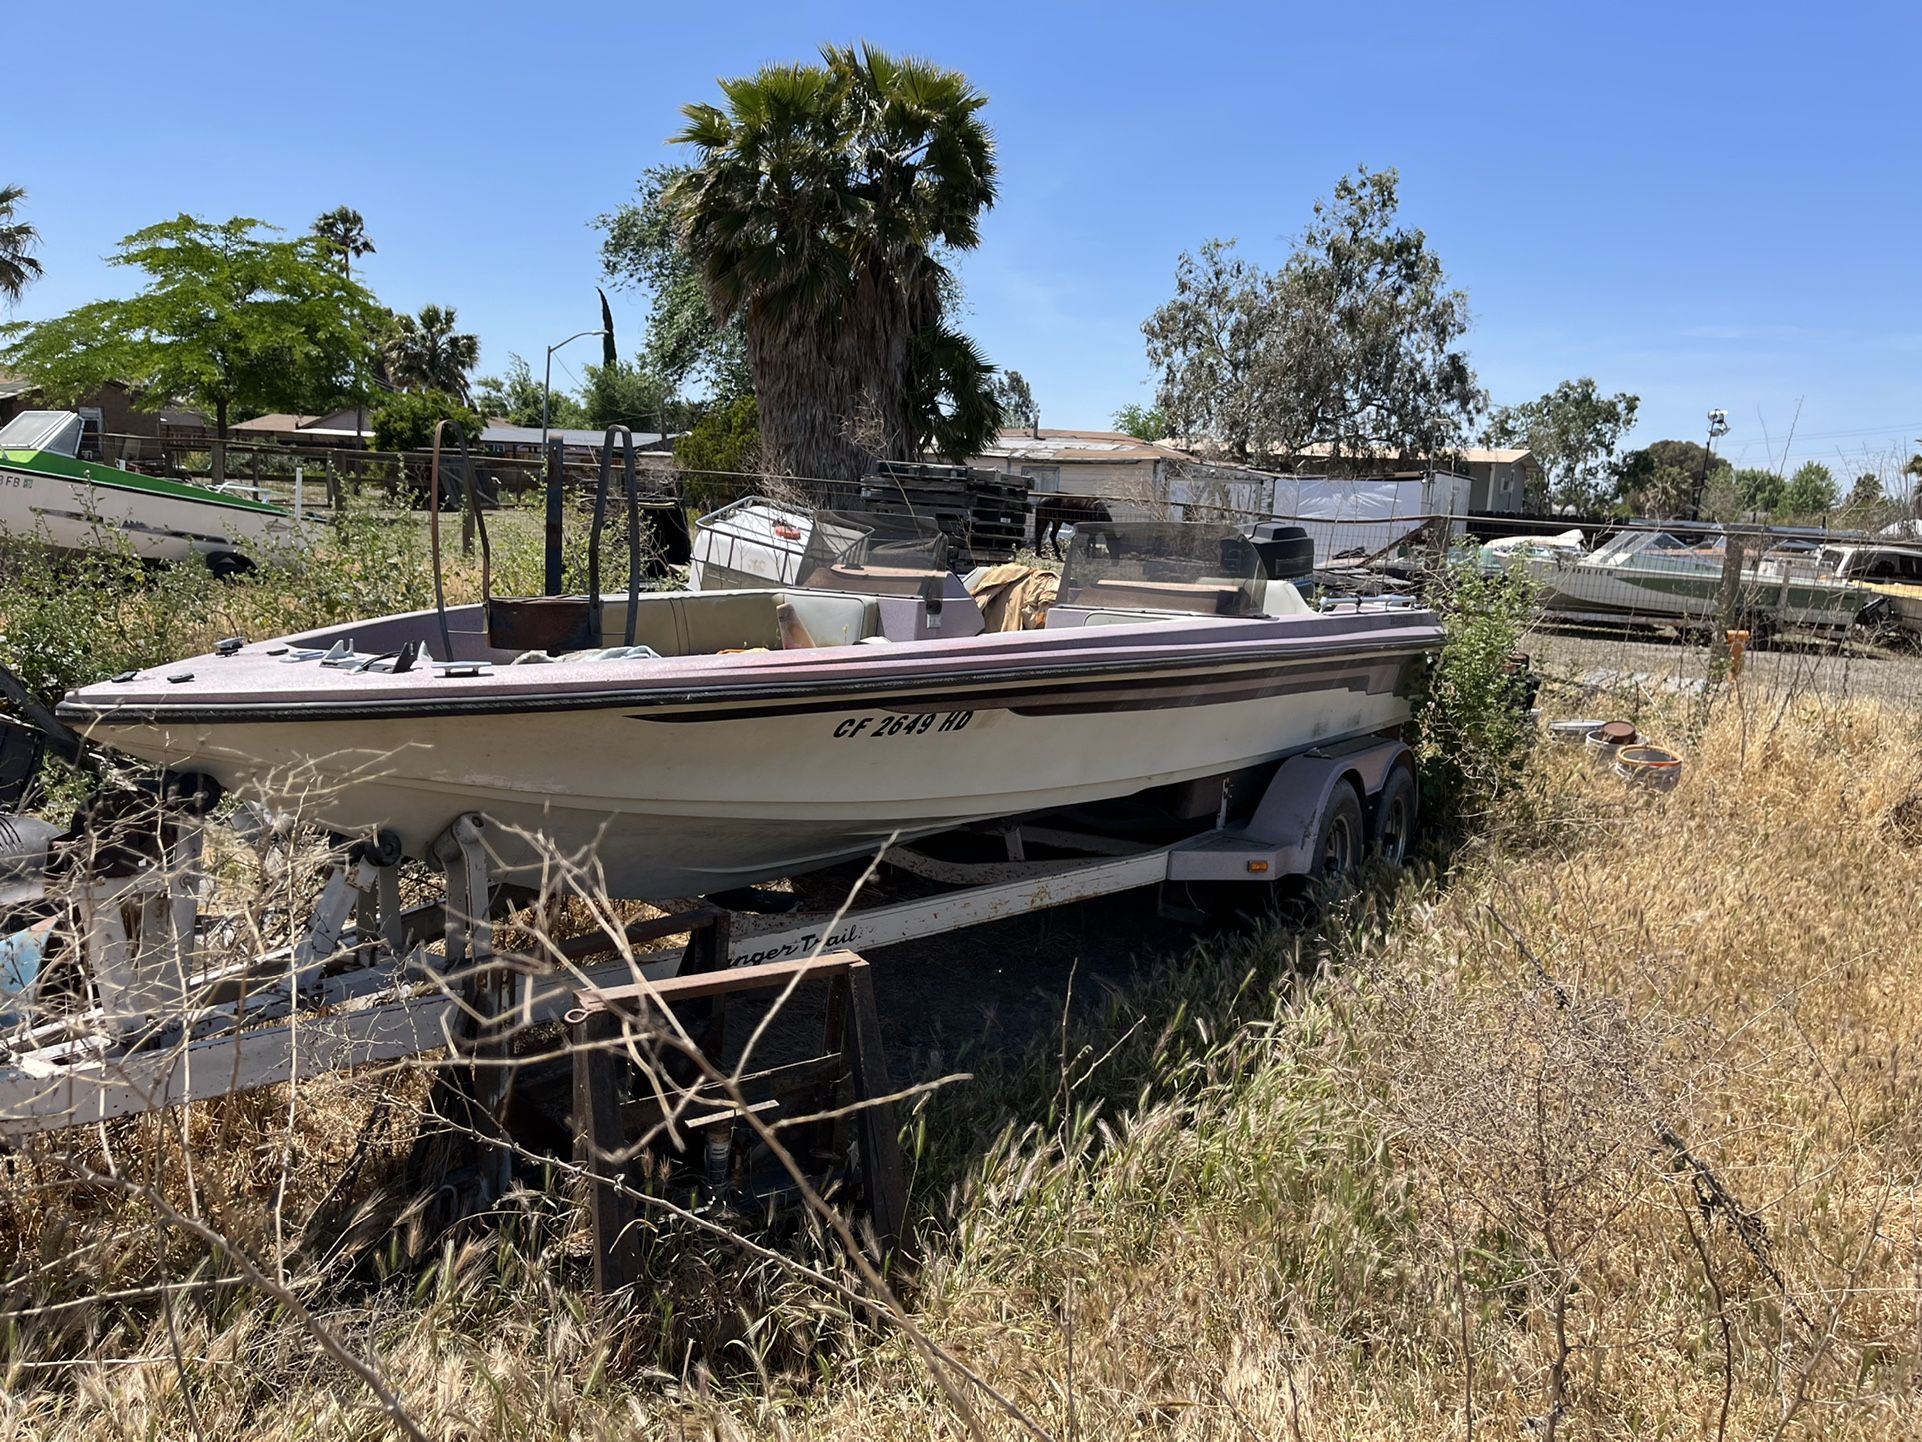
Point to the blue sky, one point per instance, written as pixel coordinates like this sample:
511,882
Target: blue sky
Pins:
1708,205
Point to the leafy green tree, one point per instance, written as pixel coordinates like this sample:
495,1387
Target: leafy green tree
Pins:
516,399
231,319
18,268
1575,433
345,230
685,343
627,394
1721,497
1811,491
1144,423
1350,346
1668,491
430,353
1866,492
717,455
1758,490
405,420
823,196
1016,396
1642,488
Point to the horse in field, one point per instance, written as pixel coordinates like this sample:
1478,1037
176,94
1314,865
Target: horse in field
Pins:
1052,511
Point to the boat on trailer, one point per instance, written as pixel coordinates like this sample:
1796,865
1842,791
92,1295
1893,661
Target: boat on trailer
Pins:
49,494
1182,720
685,742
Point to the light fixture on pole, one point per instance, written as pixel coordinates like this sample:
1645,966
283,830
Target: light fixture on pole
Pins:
1717,428
547,379
608,357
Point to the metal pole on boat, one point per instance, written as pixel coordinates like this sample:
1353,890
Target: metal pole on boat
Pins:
552,572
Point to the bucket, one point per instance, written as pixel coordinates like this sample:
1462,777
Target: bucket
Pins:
1609,737
1574,732
1649,766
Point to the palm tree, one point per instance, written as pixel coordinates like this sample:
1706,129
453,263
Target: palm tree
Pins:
18,269
822,195
345,230
427,353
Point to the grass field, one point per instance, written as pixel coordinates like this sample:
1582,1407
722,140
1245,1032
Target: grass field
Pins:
1605,1128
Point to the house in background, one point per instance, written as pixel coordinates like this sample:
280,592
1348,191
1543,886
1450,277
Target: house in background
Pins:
117,430
338,428
1498,476
1345,516
1129,473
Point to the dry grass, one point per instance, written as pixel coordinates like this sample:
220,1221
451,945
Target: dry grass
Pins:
1621,1112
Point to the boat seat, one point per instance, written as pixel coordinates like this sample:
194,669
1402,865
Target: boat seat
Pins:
710,622
834,620
716,621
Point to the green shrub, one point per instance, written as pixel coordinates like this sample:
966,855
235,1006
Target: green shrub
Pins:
713,456
405,420
1471,718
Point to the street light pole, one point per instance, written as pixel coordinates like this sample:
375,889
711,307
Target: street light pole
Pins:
547,378
1717,427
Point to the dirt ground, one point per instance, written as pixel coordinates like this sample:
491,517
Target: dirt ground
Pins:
1652,661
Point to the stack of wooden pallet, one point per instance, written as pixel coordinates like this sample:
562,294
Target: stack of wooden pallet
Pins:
983,513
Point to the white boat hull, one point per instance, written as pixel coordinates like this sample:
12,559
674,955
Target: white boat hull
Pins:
1674,596
658,808
80,515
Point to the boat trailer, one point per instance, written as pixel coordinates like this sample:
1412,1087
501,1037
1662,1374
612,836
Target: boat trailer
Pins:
148,1010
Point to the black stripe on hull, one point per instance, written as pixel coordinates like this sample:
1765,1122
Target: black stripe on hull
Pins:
1155,693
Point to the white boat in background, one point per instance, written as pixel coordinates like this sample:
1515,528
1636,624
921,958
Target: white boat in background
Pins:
1504,552
48,494
1657,577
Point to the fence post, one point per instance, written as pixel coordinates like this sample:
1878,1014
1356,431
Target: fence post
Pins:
554,471
1728,613
299,493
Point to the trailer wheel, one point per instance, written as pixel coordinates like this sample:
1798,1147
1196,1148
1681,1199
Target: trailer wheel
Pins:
228,565
1343,838
1397,810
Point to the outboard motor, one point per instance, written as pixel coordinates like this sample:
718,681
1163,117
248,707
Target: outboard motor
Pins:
1287,552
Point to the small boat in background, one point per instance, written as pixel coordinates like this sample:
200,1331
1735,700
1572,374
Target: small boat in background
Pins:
1659,577
48,493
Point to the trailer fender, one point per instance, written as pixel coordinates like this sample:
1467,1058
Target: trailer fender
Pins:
1290,812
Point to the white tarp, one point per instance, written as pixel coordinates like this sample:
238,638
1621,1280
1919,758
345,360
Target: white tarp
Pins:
1367,517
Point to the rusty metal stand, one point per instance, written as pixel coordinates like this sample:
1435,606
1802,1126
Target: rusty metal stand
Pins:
821,1103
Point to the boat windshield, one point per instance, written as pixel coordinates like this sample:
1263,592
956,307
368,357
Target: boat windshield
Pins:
1194,566
55,431
757,543
1659,548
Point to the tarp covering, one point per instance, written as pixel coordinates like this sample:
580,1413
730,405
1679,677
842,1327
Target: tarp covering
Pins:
1013,597
1367,517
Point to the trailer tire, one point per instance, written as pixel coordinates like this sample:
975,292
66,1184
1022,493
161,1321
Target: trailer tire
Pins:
228,565
1342,839
1397,814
